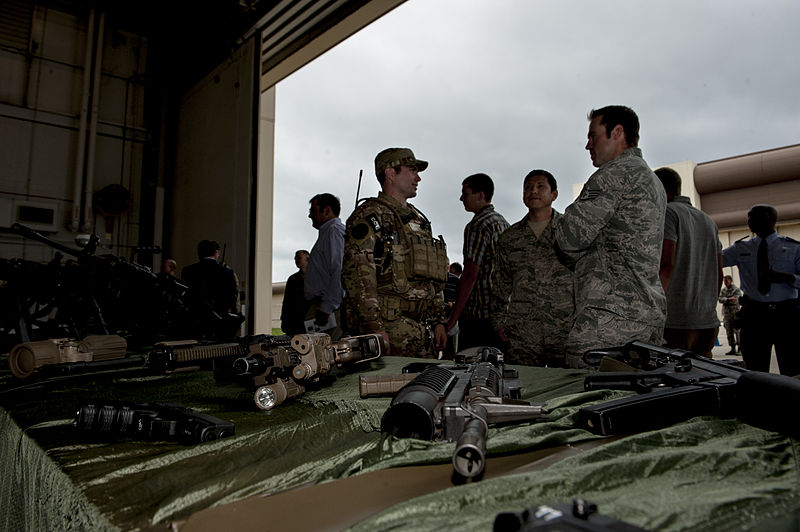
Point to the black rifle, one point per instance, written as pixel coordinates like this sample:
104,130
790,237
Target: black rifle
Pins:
676,385
457,403
580,516
150,421
279,367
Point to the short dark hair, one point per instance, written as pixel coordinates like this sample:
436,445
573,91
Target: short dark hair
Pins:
770,212
671,181
457,268
727,277
550,179
613,115
480,183
382,175
328,200
207,248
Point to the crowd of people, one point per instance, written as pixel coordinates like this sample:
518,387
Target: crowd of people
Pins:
630,259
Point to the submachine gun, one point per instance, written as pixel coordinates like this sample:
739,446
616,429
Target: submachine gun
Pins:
279,367
676,385
457,403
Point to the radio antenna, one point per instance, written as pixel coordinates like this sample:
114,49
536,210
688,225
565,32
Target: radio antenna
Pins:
358,190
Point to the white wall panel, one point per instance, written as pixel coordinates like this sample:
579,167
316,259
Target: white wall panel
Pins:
52,169
63,37
55,87
213,168
15,143
12,77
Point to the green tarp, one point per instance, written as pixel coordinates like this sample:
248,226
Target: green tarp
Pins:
704,474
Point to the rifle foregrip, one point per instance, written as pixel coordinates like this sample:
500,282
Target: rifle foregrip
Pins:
762,400
382,385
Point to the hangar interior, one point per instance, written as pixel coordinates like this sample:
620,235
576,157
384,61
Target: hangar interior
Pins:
151,124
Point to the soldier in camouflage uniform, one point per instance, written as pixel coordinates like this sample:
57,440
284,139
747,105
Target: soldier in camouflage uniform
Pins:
394,271
614,231
532,298
729,297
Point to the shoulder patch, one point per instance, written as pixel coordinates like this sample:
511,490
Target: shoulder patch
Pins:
373,221
359,231
591,193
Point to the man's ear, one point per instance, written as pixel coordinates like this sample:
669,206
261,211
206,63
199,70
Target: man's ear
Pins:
618,132
555,194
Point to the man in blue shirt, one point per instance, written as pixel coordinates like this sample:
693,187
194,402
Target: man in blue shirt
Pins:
323,280
769,268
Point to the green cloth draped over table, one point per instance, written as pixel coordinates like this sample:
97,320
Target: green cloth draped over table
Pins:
705,474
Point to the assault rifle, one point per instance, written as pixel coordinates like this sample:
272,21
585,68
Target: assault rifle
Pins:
676,385
279,367
150,421
457,403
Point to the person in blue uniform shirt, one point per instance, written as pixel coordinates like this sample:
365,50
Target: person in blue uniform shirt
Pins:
769,270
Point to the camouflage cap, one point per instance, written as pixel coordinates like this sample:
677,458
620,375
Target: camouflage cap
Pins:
392,157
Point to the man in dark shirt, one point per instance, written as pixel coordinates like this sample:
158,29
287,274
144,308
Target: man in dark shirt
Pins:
211,280
294,306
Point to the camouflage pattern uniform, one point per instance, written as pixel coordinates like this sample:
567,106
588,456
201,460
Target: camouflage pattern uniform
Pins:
394,272
532,296
614,231
729,310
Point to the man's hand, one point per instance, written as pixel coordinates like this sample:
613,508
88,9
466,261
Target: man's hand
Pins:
439,337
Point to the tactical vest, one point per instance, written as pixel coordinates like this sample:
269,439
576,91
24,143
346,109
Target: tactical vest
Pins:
411,251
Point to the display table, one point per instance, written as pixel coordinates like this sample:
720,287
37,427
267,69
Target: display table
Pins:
325,465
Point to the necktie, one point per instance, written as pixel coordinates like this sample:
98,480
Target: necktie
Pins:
763,268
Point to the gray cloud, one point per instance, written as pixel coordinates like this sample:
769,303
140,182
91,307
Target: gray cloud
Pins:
504,87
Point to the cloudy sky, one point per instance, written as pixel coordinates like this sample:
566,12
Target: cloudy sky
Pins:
504,86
